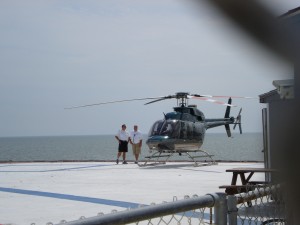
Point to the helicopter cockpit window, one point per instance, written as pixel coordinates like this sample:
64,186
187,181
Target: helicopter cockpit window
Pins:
168,128
156,127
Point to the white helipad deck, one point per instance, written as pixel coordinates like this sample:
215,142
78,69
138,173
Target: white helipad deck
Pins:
51,192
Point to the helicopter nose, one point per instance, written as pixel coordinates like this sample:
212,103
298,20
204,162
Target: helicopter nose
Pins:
160,143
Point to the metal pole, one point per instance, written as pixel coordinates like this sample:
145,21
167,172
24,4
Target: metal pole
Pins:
220,208
232,209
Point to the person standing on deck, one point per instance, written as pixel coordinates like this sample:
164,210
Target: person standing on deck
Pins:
136,139
123,137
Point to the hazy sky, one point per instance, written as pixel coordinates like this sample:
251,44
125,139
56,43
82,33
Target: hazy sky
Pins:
60,53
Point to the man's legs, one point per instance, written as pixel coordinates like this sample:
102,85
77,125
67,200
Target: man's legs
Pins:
118,156
136,157
136,152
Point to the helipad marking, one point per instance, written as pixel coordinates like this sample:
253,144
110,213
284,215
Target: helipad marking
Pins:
72,197
87,199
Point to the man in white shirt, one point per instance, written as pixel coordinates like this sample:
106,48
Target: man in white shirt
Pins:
123,137
136,139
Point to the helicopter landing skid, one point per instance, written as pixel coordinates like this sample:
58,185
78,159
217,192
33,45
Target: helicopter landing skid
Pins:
154,159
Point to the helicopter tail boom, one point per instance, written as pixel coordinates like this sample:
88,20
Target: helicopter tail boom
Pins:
226,121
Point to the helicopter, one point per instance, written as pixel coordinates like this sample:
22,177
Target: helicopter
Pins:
183,130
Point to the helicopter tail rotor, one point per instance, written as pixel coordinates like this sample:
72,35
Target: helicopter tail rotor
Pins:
238,121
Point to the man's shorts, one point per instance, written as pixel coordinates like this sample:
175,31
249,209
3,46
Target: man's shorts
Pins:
136,149
123,146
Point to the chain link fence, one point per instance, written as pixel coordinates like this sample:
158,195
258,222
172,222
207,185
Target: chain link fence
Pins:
252,205
208,209
257,204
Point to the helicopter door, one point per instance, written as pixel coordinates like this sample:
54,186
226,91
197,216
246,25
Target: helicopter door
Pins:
170,128
190,131
183,131
187,131
166,129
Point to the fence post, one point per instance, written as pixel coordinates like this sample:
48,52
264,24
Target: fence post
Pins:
232,209
220,208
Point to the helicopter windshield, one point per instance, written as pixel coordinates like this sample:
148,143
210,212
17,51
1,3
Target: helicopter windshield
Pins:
168,128
173,116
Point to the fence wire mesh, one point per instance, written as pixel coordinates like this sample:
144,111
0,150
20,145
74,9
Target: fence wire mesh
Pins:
252,205
197,216
261,204
188,211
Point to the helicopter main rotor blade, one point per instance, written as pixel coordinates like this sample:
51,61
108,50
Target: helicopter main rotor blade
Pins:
179,95
220,96
118,101
210,100
157,100
160,99
223,96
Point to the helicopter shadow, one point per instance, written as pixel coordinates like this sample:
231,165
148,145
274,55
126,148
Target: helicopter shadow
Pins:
168,166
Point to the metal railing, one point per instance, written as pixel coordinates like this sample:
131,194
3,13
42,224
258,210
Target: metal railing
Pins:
252,205
186,211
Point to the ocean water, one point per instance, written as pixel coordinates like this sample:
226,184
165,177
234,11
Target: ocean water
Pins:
245,147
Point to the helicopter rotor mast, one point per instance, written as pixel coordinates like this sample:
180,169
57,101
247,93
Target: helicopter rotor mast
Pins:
182,99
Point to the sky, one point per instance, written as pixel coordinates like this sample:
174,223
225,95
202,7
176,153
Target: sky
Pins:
60,53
